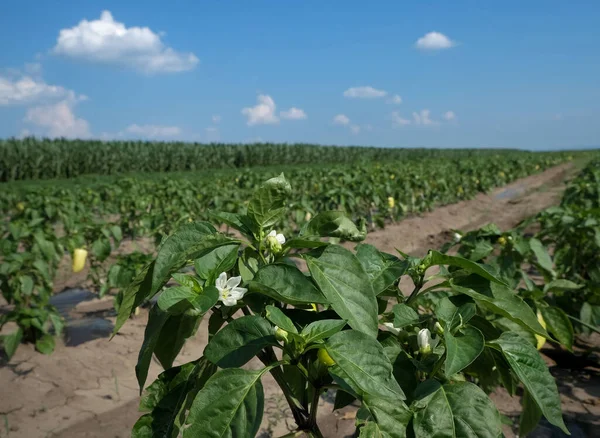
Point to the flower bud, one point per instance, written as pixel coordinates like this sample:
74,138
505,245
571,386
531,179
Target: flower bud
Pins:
391,202
438,328
20,206
281,335
502,240
79,256
325,358
275,241
308,216
457,237
423,341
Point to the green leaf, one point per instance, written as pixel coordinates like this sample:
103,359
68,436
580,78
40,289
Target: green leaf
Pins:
300,243
462,349
482,249
156,320
455,311
533,372
247,265
11,342
45,344
279,318
101,249
390,418
530,415
116,232
239,341
383,269
362,365
343,281
542,256
558,323
404,368
404,316
285,283
268,203
220,259
169,398
176,300
188,280
230,405
333,224
319,330
176,330
454,410
134,295
235,221
561,285
501,300
437,258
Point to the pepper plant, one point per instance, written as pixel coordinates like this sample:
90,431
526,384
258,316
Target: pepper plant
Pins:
344,324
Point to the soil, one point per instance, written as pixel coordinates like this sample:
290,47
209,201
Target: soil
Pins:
87,387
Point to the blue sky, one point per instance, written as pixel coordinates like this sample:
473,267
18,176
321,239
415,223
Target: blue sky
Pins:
467,73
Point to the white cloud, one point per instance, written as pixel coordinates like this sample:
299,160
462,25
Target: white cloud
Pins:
364,93
395,99
154,131
449,116
107,41
434,41
58,120
341,119
263,113
216,119
423,118
398,120
355,129
293,114
27,90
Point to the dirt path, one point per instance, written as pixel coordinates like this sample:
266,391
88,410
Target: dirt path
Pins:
91,391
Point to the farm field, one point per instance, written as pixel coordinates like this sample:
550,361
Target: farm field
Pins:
85,385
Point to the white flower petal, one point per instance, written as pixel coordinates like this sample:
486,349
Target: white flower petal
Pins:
230,301
272,234
280,238
238,292
221,282
233,282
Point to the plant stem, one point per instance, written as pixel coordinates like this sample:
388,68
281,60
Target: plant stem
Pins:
415,292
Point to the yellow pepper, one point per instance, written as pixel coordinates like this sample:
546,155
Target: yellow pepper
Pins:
391,202
540,339
79,256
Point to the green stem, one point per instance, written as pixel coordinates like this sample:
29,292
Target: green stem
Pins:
591,327
415,292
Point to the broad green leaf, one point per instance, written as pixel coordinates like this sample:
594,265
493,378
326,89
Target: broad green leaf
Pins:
501,300
456,310
230,405
542,256
558,323
247,265
235,221
389,416
300,243
173,335
383,269
530,415
333,224
221,259
404,368
268,203
285,283
462,349
176,300
45,344
169,397
454,410
404,316
239,341
561,285
156,320
363,364
190,281
437,258
343,281
101,249
318,330
533,372
11,342
277,317
482,249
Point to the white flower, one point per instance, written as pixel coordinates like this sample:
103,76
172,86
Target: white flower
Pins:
278,236
391,328
229,292
457,237
423,339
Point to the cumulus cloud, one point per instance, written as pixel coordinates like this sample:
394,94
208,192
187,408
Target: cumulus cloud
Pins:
395,99
364,93
341,119
107,41
263,113
449,116
153,131
58,120
434,41
26,90
293,114
423,118
398,120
